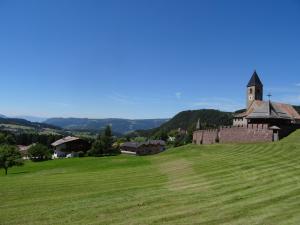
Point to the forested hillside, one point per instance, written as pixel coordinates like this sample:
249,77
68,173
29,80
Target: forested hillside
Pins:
187,120
22,122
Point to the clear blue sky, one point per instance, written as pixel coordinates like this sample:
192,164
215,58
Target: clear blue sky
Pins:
144,58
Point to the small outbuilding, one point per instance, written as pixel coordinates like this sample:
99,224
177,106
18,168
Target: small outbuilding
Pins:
143,148
23,149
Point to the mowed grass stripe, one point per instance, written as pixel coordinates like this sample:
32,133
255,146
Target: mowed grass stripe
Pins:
214,184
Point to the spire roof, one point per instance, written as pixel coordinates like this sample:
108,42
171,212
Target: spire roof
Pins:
254,81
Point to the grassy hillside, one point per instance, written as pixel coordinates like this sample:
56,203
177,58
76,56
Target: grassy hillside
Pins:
235,184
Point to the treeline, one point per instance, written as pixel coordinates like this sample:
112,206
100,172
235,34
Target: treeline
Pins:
7,137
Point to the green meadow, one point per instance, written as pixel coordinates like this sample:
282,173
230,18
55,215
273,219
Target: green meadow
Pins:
214,184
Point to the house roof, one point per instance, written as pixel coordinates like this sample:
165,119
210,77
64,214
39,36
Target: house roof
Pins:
270,110
138,145
64,140
254,80
24,148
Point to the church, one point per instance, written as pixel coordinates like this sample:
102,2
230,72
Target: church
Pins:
259,111
261,121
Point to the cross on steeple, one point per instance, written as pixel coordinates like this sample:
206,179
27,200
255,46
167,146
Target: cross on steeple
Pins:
269,96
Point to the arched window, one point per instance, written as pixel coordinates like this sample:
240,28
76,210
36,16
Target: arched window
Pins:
251,91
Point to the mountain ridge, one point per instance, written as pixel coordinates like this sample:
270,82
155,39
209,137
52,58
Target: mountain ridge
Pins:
118,125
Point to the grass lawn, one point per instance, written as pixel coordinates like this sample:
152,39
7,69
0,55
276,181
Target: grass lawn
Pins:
215,184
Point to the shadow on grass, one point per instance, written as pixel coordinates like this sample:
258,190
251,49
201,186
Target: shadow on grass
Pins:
20,172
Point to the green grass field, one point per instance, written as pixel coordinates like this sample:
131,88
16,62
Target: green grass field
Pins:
217,184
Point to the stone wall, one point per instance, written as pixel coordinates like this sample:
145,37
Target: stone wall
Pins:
239,122
242,134
205,136
246,134
210,136
250,133
198,137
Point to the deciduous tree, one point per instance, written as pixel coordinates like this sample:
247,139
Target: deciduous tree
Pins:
39,152
9,157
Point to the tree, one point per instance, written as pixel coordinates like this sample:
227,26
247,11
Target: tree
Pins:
10,139
7,139
103,144
9,157
39,152
107,140
161,135
97,148
2,139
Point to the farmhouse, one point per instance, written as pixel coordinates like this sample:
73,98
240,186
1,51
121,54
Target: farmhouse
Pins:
23,149
262,121
69,147
143,148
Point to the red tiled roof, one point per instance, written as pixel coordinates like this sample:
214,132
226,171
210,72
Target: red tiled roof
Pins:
279,110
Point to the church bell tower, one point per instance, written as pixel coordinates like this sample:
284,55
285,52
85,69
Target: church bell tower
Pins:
254,89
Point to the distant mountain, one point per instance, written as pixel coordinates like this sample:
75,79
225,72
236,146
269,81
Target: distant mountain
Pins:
187,120
118,125
33,118
26,123
2,116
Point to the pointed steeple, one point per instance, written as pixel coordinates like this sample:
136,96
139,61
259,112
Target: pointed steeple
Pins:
254,81
255,89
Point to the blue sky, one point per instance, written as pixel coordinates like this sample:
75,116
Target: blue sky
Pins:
144,58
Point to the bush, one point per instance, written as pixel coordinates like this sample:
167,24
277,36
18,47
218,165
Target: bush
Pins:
39,152
81,154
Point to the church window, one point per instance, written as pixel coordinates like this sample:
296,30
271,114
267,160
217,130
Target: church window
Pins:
251,91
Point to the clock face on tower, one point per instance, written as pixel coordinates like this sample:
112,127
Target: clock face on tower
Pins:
250,97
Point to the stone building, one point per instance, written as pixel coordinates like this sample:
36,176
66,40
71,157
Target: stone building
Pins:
259,111
262,121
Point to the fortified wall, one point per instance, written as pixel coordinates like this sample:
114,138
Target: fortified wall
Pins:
246,134
250,133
